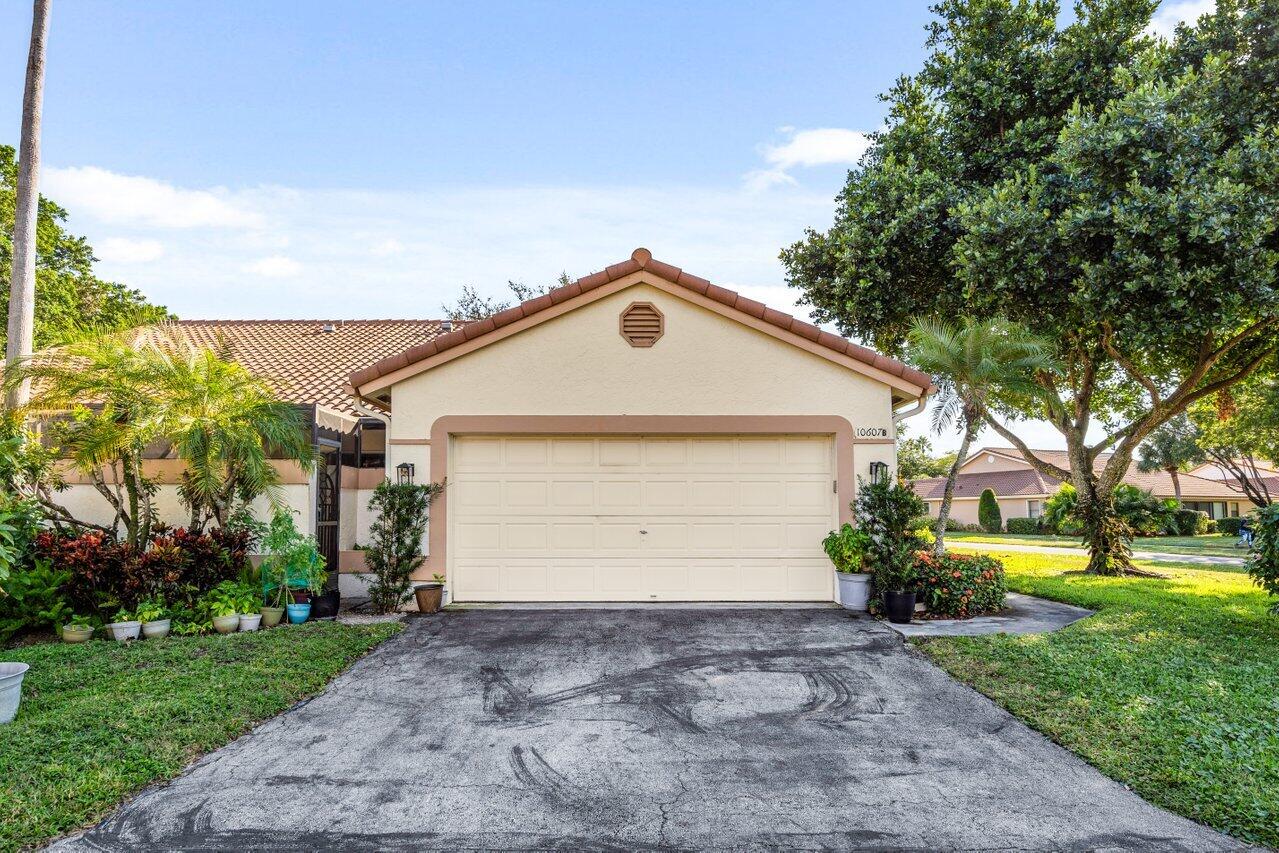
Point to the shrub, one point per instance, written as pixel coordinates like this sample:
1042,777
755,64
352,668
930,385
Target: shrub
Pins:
293,561
846,548
885,511
1229,526
1144,514
395,540
35,600
105,575
1059,511
1263,557
1023,525
988,512
1190,522
961,585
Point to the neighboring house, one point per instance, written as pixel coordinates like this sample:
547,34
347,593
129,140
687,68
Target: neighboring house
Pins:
309,361
640,434
1021,490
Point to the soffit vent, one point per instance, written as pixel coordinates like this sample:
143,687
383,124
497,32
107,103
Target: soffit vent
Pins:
642,324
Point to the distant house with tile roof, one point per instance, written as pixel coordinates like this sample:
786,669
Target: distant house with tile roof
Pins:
1022,490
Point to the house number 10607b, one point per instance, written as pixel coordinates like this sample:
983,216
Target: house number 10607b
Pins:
872,432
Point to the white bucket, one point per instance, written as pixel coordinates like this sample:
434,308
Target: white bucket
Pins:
11,689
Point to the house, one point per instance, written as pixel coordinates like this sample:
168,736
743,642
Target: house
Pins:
640,434
1021,490
308,360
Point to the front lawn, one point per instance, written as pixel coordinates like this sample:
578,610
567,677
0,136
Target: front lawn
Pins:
100,721
1172,688
1212,545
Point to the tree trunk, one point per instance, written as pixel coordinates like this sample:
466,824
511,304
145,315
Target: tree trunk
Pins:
943,512
1109,552
1176,484
22,278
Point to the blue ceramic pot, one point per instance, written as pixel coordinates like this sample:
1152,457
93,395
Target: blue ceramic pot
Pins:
298,613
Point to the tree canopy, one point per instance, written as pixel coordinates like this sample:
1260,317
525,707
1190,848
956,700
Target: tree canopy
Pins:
71,302
1108,191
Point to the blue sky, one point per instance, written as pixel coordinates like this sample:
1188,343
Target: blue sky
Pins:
365,159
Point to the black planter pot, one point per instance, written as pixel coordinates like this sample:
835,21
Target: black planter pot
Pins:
900,606
325,605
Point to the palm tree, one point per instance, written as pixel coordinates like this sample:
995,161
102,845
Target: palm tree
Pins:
22,279
117,401
1170,448
979,364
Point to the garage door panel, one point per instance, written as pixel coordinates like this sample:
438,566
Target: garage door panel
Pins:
559,518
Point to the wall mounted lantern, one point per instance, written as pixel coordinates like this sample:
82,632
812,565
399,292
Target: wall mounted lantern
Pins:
879,472
404,473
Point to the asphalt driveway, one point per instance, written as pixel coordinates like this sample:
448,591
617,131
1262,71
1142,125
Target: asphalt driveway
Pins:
644,729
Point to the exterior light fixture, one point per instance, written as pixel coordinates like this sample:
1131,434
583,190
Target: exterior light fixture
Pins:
404,473
879,472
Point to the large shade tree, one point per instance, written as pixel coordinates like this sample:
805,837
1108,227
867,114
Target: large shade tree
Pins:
1112,193
980,366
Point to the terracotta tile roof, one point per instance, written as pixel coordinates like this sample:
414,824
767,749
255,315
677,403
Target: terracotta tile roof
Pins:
1157,482
1005,484
641,259
308,364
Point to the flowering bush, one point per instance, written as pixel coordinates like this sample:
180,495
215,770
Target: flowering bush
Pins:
960,585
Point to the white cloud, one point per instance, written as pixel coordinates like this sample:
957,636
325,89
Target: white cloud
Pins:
276,266
122,250
823,146
1173,12
135,200
386,248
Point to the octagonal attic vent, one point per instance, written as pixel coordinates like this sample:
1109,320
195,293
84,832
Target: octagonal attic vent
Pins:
642,324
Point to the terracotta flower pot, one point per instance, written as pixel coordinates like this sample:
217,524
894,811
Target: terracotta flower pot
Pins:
429,597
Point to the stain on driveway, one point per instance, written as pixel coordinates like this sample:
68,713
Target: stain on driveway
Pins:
634,729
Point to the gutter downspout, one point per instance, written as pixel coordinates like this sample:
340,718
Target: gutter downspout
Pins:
371,413
898,417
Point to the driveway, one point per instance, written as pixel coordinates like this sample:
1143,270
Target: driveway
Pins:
625,729
1153,556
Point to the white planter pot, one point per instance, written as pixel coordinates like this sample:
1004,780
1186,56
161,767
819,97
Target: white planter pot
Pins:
156,629
444,596
854,590
11,689
250,621
226,624
122,631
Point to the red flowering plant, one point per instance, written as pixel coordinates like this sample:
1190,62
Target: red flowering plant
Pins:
960,586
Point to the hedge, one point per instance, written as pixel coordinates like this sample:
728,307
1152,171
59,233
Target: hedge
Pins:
960,585
1229,526
988,512
1022,525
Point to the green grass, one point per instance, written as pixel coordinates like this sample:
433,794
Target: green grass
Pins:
1212,545
100,721
1171,688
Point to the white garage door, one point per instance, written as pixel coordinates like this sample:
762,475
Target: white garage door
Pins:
640,518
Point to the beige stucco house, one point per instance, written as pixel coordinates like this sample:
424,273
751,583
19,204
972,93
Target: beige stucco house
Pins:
1021,490
640,434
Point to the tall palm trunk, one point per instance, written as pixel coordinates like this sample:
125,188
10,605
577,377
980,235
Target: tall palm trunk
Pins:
943,512
22,278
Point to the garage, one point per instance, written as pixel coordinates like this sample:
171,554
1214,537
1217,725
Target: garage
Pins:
641,518
639,435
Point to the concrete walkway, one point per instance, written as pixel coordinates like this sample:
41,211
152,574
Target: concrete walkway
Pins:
1155,556
610,730
1024,614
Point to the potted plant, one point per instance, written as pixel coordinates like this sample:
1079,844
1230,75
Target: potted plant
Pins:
292,569
11,675
886,512
78,630
154,618
249,607
123,626
846,548
222,603
444,588
272,614
429,595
